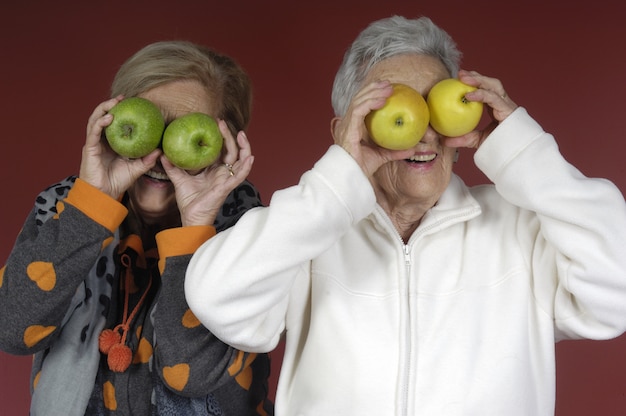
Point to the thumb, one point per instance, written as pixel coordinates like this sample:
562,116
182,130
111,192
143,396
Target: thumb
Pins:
140,166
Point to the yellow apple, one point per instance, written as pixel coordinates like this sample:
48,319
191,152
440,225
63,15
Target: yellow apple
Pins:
401,123
451,114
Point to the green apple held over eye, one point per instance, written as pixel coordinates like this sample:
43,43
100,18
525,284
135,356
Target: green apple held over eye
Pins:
193,141
451,114
136,128
401,123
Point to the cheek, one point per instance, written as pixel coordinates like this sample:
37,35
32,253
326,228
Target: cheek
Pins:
446,166
387,176
448,156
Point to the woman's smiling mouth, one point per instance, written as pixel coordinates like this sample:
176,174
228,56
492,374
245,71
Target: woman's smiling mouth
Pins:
422,158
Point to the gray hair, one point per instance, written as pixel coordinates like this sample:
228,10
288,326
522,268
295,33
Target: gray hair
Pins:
383,39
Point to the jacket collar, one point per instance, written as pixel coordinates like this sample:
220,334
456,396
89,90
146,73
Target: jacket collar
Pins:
455,205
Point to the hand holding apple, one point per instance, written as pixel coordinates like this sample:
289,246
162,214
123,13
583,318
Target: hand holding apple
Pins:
193,141
100,165
201,195
136,128
451,114
401,123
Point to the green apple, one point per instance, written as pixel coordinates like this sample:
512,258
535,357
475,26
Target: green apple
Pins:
451,114
401,123
193,141
136,128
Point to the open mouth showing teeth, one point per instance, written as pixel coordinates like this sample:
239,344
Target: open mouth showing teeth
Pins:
160,176
422,158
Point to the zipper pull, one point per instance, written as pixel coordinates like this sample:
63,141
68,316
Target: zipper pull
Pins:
407,257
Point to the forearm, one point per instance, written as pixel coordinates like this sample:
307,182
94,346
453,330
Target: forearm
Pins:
581,224
190,360
185,347
47,264
238,283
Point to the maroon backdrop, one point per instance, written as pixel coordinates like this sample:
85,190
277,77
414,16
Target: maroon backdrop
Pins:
565,63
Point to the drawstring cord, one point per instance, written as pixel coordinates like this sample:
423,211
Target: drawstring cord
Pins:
111,343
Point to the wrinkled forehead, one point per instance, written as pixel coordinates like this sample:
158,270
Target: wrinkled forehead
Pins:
178,98
420,72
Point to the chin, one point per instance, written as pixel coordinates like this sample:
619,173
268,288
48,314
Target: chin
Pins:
150,200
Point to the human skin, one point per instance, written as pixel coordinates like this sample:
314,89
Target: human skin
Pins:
408,183
161,195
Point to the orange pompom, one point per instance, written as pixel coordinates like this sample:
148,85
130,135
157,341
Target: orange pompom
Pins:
119,358
107,339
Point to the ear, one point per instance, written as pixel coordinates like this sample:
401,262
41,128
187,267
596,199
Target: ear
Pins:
333,126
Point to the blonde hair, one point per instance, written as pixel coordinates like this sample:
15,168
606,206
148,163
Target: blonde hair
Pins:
166,61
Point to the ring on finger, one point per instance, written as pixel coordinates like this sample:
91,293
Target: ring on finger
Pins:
230,168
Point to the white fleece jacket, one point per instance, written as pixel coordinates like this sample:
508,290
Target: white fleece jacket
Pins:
461,320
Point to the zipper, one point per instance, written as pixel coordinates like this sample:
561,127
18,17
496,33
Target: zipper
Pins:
406,248
406,251
408,354
407,257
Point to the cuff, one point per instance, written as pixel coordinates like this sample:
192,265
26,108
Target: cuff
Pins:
97,205
181,240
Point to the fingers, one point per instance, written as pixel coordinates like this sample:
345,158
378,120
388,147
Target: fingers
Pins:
480,81
245,150
348,131
491,86
218,174
173,173
490,91
99,119
243,168
230,145
371,97
123,172
471,140
237,152
199,196
147,162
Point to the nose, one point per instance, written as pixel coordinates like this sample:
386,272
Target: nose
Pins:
430,136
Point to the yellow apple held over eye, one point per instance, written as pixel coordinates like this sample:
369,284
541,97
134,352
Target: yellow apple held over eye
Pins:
401,123
451,114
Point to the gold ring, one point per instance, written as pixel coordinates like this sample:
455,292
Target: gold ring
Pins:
230,168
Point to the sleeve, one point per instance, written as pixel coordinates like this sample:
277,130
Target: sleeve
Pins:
578,260
57,246
239,283
190,360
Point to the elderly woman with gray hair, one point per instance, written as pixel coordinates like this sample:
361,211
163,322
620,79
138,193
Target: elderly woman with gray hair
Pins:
399,289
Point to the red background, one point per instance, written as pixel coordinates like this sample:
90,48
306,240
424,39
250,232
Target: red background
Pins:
564,62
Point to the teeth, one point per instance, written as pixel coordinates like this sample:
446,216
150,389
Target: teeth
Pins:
423,158
157,175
